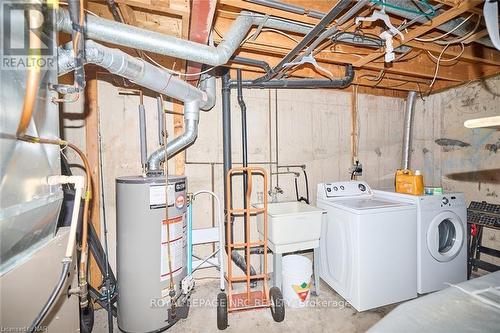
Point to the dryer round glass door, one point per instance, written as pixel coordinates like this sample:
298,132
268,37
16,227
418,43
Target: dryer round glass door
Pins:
445,236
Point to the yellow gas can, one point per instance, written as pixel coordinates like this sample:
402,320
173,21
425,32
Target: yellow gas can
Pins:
409,182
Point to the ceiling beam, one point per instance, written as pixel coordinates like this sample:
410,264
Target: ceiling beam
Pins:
422,29
154,5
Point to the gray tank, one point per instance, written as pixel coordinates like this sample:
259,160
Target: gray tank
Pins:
142,251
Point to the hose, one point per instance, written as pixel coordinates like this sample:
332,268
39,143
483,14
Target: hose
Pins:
35,325
307,185
306,199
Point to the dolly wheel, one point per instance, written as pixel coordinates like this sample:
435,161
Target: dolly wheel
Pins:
222,311
277,304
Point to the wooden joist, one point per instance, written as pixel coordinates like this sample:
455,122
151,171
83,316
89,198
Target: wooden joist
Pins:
422,29
417,67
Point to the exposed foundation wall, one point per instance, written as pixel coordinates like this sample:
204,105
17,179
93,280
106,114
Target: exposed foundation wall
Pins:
461,159
314,128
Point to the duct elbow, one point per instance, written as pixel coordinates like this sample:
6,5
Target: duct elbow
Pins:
348,78
207,85
179,144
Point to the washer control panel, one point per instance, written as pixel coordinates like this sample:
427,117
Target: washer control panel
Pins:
343,189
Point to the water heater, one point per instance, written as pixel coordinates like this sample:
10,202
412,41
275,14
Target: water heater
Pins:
143,268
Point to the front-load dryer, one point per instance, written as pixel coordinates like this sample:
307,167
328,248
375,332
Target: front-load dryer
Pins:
441,238
367,245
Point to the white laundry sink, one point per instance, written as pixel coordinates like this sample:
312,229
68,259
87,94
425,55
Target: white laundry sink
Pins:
291,226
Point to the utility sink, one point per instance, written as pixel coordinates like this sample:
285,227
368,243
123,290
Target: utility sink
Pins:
291,226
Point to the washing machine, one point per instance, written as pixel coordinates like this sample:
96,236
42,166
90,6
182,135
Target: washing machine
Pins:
441,238
367,245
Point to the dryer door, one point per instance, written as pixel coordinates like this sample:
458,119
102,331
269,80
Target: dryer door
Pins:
445,236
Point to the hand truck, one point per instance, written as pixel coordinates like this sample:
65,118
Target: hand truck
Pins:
248,300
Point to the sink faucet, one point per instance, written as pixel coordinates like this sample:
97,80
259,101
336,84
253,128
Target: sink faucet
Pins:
274,193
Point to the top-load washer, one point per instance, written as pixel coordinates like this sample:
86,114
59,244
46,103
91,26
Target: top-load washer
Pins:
441,238
368,245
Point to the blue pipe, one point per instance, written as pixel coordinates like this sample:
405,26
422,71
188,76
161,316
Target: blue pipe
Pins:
190,238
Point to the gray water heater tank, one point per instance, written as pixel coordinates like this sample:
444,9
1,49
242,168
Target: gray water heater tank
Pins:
142,250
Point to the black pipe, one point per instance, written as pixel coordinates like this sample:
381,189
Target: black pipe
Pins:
244,145
325,21
226,144
226,131
35,325
299,83
252,62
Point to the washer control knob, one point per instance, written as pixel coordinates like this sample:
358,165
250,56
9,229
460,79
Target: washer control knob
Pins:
342,187
362,187
335,188
328,189
445,201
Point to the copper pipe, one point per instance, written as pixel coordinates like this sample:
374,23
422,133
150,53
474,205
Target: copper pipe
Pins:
82,275
33,79
88,195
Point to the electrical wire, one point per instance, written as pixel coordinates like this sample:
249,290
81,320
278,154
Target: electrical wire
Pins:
464,37
437,65
377,78
211,68
105,225
449,59
256,33
176,72
85,9
446,34
266,17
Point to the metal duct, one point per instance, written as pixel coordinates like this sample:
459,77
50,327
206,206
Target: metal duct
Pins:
446,27
126,35
155,79
408,127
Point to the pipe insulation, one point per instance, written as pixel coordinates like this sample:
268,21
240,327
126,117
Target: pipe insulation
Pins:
151,77
137,38
408,128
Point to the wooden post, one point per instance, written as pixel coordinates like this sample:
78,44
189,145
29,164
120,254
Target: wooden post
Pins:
92,152
180,158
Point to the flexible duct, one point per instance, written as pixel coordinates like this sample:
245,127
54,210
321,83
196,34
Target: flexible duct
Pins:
408,127
146,75
137,38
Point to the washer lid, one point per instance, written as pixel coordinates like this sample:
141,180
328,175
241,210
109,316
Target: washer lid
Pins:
366,204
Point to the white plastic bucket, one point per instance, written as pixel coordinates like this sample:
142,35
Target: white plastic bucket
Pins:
297,272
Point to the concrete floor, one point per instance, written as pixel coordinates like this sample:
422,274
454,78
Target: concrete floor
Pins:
332,314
